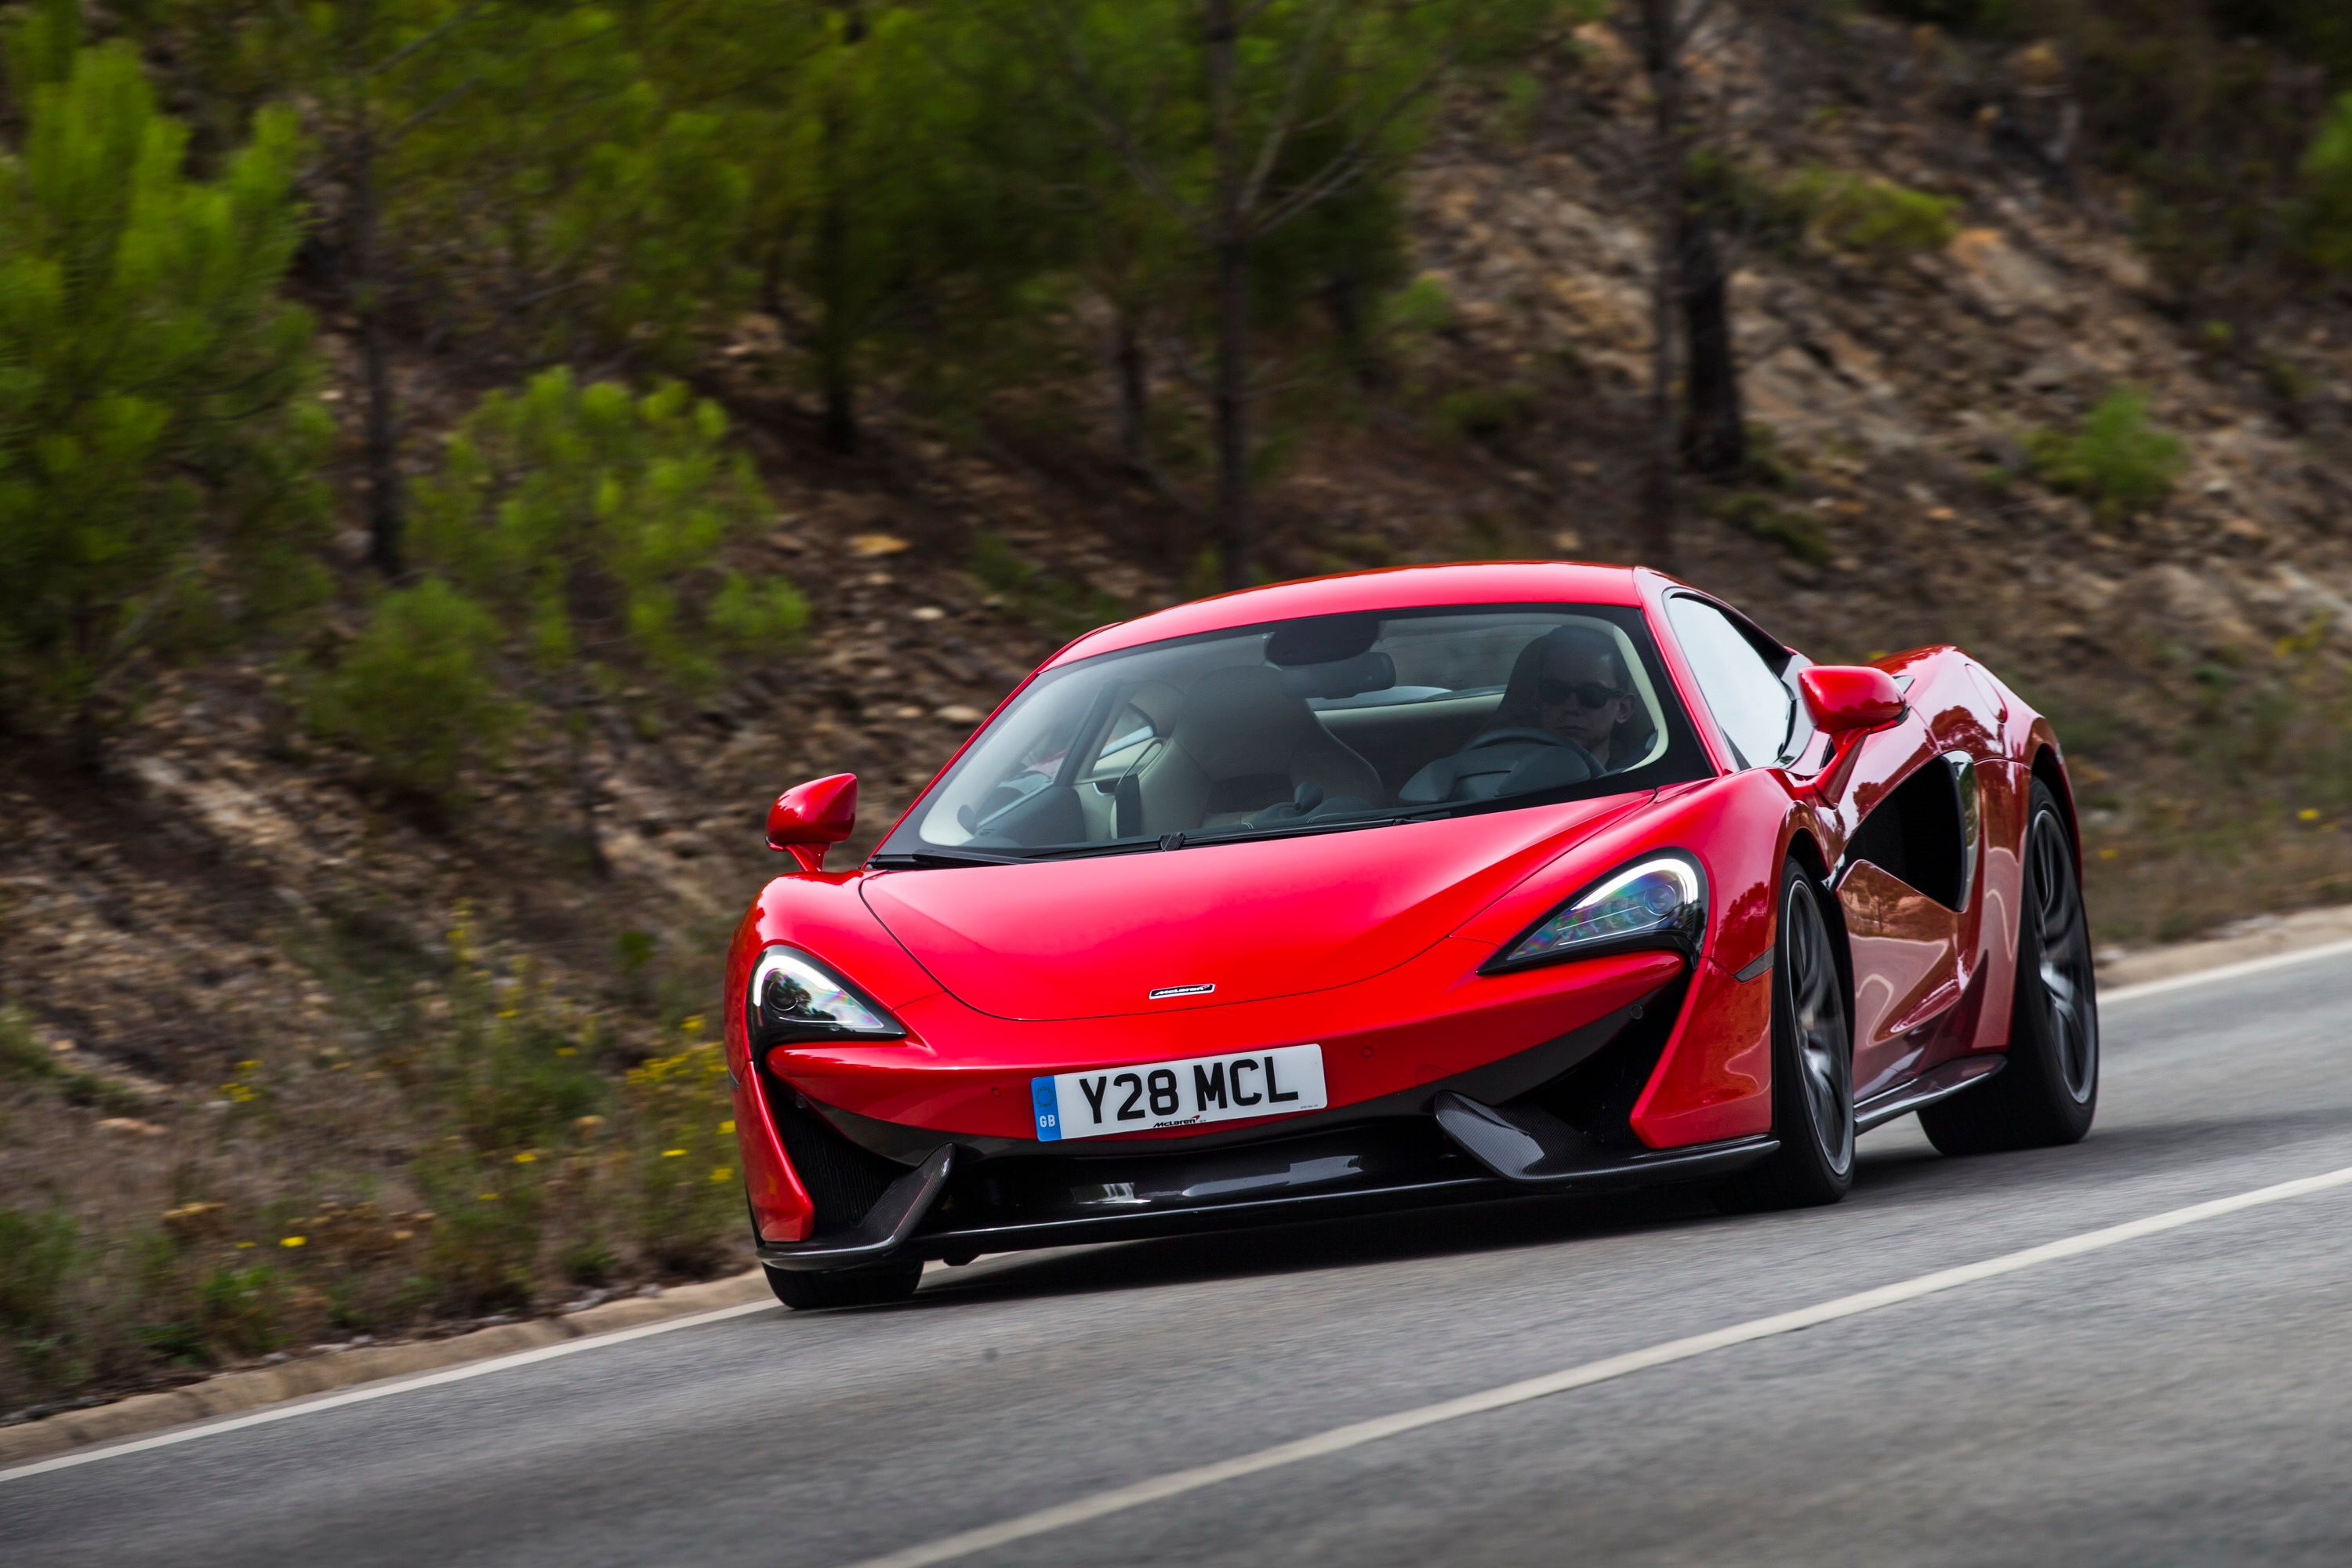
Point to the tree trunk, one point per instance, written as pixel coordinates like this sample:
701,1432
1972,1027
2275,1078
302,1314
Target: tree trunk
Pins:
835,331
1134,399
1662,58
387,520
1233,244
836,370
1232,412
1714,428
1343,300
584,789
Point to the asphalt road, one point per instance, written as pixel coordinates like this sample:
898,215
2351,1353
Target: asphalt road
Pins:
2183,1396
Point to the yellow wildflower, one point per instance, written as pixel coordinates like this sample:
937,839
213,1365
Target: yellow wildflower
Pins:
727,1126
525,1158
293,1240
721,1173
2308,814
672,1153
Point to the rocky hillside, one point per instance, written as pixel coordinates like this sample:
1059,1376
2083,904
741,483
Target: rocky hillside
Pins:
227,968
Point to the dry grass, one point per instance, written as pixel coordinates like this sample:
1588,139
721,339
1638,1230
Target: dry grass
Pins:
477,1148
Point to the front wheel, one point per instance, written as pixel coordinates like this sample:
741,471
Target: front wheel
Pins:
1812,1065
2049,1089
807,1290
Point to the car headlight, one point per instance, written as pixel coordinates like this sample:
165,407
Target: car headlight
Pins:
795,998
1659,901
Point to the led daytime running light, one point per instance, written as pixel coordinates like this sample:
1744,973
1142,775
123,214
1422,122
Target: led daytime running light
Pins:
1660,902
793,997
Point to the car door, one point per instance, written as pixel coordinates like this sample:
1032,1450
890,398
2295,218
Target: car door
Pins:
1904,943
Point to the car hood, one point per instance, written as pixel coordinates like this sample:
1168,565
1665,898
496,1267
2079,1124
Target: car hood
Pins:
1094,937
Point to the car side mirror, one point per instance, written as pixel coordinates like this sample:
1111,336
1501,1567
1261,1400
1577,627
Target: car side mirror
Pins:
1844,699
807,817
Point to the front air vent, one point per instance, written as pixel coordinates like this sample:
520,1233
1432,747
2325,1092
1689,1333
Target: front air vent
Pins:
843,1180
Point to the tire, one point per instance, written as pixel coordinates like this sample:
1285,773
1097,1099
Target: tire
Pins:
1812,1065
2049,1092
805,1290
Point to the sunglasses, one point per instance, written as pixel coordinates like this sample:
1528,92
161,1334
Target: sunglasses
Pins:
1585,693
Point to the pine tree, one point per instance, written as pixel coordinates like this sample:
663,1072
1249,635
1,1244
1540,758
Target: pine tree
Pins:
1264,139
158,434
570,550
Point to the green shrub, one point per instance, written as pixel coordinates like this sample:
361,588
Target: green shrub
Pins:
1872,216
2327,196
24,1058
230,1312
417,691
592,521
40,1254
1799,533
1486,412
1056,605
40,1250
511,1071
689,1198
1422,309
2117,460
1844,211
573,541
486,1234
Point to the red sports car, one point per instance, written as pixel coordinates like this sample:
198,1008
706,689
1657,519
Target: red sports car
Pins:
1412,886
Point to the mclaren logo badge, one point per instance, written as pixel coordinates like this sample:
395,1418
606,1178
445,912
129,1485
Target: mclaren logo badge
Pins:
1165,991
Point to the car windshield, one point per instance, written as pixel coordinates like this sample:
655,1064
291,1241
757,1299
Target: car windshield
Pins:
1305,725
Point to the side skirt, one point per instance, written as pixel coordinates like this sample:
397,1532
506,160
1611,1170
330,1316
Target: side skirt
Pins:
1935,1084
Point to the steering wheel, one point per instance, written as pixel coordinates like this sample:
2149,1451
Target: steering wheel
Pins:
1526,736
1540,737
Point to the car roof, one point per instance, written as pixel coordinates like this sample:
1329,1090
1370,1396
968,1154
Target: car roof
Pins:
1391,588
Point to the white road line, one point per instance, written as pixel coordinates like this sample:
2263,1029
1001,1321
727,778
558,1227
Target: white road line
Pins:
368,1391
522,1358
2225,971
1341,1438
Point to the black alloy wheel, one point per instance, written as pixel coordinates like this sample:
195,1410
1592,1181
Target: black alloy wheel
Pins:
2049,1090
1813,1064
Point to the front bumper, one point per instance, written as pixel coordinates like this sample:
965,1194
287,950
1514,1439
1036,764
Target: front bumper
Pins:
1553,1118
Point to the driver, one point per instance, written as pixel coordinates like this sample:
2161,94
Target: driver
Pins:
1582,692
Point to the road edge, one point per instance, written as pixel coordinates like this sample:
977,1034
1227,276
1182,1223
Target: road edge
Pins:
232,1392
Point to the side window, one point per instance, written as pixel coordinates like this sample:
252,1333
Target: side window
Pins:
1755,709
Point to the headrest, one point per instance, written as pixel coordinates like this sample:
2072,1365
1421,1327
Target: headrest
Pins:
1239,720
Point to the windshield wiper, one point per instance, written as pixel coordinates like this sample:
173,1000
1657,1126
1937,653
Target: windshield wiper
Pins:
913,859
1300,829
906,859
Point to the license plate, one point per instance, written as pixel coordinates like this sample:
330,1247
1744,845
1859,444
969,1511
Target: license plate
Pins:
1186,1093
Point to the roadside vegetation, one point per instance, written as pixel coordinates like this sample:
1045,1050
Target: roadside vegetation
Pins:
474,1145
